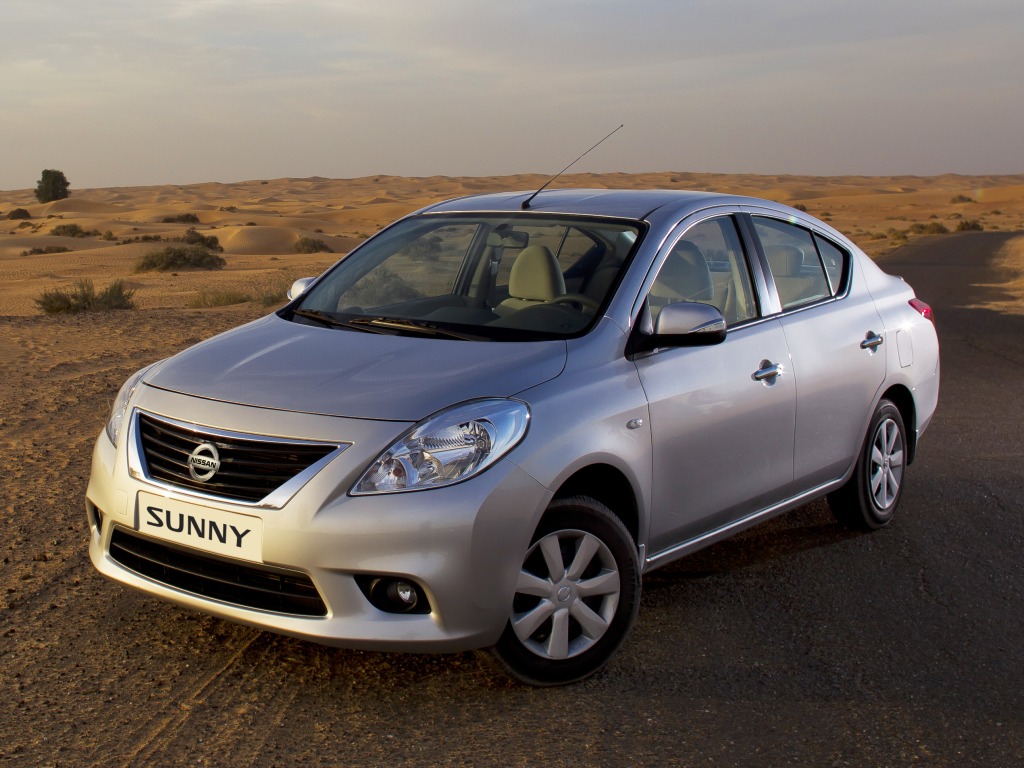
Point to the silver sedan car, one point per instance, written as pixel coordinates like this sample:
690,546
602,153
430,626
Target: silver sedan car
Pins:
480,428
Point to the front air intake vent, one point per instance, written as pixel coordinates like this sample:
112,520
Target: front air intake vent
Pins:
247,585
232,466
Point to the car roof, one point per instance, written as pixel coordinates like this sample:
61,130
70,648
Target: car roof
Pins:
624,203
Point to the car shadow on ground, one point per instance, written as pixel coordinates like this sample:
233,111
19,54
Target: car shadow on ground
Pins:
806,528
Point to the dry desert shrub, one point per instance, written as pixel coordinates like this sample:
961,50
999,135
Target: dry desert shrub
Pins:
179,257
931,228
969,225
82,297
218,297
267,291
141,239
271,290
19,213
47,249
210,242
311,245
897,236
181,218
73,230
271,296
273,299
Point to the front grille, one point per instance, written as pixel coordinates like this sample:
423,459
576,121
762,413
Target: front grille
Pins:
250,586
250,468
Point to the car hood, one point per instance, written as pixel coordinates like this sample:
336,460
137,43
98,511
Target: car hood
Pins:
274,363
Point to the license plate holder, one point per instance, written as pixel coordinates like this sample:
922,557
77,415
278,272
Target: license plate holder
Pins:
212,530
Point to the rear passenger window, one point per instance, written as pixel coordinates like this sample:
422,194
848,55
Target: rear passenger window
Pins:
793,259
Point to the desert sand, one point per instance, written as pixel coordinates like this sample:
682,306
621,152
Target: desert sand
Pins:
258,223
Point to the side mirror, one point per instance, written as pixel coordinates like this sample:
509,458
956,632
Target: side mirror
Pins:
299,287
684,324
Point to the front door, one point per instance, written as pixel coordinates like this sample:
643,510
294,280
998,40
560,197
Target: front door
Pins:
723,416
723,440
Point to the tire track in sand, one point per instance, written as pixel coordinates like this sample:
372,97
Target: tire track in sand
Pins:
161,729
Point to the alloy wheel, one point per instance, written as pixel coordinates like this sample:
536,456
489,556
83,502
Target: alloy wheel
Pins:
886,464
566,594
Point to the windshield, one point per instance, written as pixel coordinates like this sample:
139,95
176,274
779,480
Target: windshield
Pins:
476,277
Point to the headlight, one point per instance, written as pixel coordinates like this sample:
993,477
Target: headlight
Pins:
447,448
121,403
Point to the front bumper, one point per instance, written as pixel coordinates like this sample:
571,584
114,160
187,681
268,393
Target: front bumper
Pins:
462,545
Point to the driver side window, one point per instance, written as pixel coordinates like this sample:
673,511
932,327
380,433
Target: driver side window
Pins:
707,265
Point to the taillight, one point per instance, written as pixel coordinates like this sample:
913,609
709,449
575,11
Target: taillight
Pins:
924,309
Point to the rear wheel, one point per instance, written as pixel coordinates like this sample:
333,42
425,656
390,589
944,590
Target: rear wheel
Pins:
869,499
576,596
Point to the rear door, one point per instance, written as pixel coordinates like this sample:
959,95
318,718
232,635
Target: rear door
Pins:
835,338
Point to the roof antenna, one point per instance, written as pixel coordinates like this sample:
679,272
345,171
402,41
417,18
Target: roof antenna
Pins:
526,202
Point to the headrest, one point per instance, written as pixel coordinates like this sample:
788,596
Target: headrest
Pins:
785,260
685,275
536,275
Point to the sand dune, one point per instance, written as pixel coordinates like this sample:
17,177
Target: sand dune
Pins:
259,221
81,207
258,240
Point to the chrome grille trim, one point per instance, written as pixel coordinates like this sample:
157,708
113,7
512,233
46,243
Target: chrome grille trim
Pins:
257,470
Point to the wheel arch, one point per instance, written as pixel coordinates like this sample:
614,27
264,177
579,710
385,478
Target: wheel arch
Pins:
608,485
903,399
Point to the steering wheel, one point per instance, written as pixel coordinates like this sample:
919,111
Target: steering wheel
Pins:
586,303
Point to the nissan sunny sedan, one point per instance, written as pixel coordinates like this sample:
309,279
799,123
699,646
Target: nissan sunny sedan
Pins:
480,428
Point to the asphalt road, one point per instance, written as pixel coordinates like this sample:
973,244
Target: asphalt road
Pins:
797,643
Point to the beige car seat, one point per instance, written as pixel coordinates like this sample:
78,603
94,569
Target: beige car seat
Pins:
535,278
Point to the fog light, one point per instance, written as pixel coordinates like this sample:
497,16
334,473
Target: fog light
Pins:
393,595
402,593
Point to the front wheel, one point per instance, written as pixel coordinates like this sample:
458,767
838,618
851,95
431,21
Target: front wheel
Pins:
870,497
576,596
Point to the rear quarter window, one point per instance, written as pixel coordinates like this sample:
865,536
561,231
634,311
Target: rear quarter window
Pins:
836,261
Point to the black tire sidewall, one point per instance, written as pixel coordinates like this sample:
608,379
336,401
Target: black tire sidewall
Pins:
583,514
875,515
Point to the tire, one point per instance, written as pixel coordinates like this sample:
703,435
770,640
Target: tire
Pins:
869,499
576,598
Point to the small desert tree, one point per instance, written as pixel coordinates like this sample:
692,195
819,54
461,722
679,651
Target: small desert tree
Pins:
52,186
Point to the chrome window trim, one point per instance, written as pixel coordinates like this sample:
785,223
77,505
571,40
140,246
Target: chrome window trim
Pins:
276,499
766,213
677,232
849,264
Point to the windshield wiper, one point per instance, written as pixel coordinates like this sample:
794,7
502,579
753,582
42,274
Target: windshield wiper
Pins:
387,325
329,320
320,316
402,325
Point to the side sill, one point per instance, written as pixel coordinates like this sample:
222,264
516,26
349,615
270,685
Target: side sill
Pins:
666,556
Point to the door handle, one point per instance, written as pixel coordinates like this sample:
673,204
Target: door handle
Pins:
871,341
768,370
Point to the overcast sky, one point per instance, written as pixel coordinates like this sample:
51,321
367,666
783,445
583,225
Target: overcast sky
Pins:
129,92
